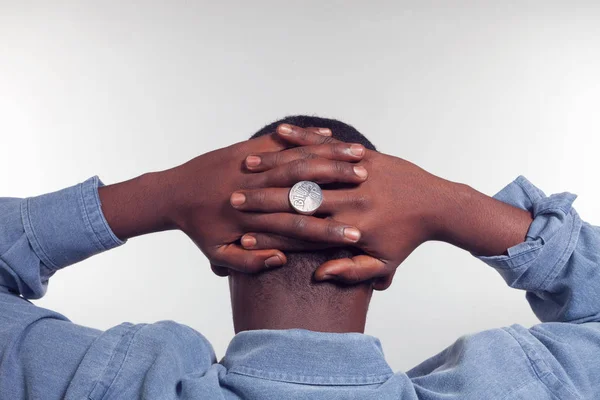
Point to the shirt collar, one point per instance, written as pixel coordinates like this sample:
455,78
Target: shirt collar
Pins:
302,356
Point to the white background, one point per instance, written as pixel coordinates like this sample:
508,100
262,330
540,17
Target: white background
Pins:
478,93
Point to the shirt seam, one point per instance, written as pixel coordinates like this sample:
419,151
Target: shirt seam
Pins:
541,374
370,379
32,235
86,215
573,236
514,261
103,233
532,193
108,381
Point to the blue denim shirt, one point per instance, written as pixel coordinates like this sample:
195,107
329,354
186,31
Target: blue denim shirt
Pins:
44,356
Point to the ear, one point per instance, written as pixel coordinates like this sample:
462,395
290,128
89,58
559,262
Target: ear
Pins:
219,271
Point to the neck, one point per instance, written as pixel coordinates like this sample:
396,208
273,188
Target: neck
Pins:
278,310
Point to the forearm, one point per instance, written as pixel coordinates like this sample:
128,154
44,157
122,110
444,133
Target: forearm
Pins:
138,206
481,224
557,263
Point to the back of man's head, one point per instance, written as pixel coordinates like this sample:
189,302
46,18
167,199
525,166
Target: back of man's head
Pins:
294,281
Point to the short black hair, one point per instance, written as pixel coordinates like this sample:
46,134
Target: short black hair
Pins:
296,275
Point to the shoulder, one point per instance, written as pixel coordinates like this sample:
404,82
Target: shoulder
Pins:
132,359
492,364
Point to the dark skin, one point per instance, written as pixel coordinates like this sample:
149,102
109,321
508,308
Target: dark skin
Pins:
396,209
252,310
387,215
194,198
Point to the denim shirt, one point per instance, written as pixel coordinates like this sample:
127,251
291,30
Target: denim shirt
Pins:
45,356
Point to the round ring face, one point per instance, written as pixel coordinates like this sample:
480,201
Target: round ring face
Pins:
306,197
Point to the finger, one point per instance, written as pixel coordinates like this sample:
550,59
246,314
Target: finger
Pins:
302,227
320,131
384,282
276,142
277,200
235,257
318,170
352,270
259,241
219,271
332,151
302,136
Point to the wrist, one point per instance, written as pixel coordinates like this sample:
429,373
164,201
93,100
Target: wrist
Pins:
478,223
138,206
449,202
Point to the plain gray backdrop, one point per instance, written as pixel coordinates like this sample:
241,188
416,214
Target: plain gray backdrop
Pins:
477,92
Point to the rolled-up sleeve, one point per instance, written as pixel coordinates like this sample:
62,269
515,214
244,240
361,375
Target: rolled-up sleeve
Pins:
559,262
40,235
43,355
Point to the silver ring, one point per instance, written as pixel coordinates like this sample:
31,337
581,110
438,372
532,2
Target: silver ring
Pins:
306,197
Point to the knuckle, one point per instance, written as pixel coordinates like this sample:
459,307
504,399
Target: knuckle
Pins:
339,149
257,180
299,169
333,151
273,159
328,140
251,221
360,203
262,241
298,223
342,168
302,152
248,262
332,230
216,256
354,276
257,198
305,134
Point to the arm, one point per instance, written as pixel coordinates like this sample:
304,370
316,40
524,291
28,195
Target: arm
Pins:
43,234
43,354
548,250
38,236
558,264
478,223
537,243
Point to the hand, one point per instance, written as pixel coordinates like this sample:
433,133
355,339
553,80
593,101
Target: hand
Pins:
399,207
200,192
396,209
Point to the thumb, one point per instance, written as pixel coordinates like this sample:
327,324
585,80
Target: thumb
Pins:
352,270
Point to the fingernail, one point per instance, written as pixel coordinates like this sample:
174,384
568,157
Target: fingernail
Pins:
285,129
352,233
326,277
325,131
274,261
357,150
361,171
248,241
253,161
237,199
